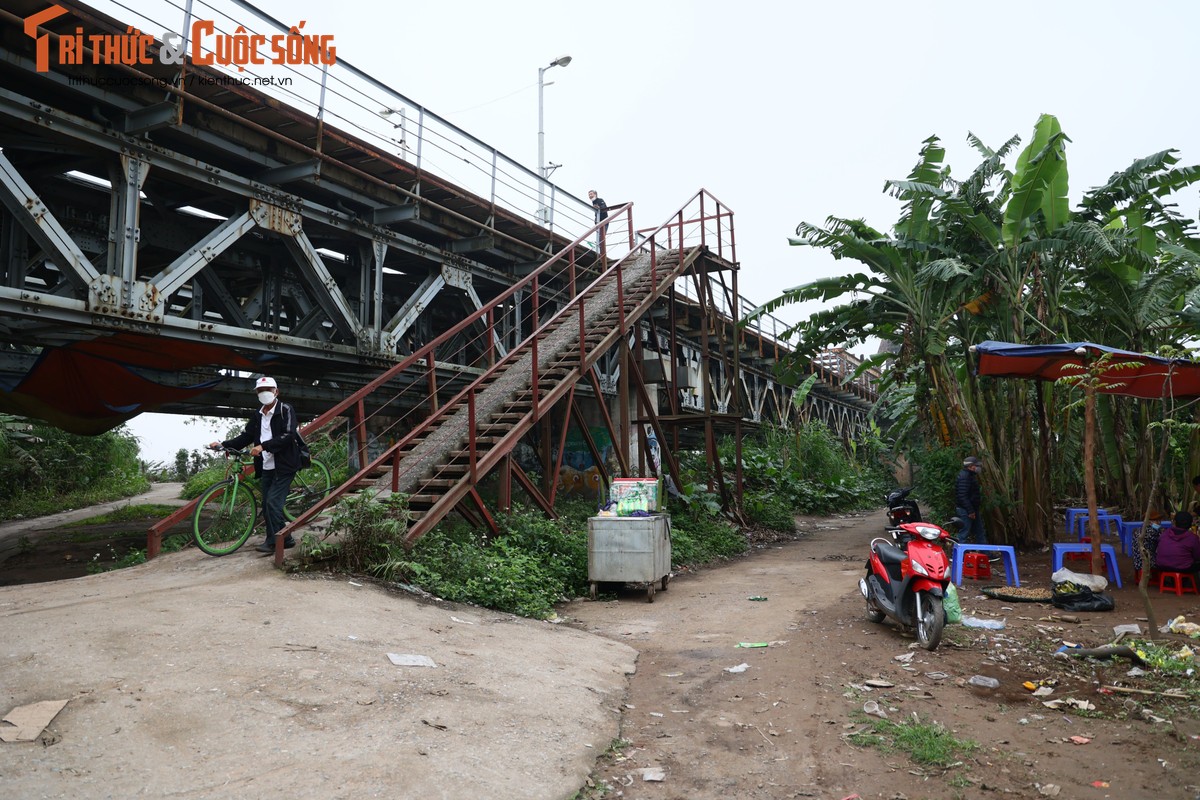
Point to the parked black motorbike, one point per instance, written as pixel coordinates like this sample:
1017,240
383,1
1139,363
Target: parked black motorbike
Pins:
900,509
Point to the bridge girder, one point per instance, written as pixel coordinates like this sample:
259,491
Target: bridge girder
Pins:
209,228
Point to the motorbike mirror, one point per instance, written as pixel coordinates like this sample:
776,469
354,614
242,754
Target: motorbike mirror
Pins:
956,523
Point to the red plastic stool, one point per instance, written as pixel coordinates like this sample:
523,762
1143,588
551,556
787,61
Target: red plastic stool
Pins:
1080,554
1155,577
1179,583
975,565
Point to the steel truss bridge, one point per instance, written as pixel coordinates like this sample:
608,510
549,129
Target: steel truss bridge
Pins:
169,230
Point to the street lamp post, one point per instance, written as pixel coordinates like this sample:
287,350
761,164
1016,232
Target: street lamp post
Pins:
543,170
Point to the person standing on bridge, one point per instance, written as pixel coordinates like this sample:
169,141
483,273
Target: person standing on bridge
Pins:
276,439
601,208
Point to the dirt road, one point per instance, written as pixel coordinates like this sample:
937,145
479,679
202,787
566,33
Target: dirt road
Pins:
780,728
200,677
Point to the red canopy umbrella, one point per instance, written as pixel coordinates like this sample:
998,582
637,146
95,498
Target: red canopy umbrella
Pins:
1127,373
1141,375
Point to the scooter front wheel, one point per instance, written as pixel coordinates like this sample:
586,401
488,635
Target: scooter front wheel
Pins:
930,620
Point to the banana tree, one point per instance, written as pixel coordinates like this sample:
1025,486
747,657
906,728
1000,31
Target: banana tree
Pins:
1000,255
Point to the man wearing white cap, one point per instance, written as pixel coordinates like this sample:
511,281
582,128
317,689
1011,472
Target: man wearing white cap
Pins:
274,433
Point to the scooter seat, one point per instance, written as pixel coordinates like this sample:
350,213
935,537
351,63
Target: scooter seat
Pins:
889,553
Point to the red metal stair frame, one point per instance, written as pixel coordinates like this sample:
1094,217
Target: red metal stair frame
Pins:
540,372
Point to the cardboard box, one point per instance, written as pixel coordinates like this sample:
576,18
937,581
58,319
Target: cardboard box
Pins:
636,494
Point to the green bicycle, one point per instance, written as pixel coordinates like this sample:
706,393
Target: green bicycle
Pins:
227,511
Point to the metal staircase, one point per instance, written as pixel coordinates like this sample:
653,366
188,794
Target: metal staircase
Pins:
442,458
446,456
463,403
440,462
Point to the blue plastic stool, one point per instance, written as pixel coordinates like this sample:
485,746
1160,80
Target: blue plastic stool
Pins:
1103,519
1127,529
1006,550
1071,514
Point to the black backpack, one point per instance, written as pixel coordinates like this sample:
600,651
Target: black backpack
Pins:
305,453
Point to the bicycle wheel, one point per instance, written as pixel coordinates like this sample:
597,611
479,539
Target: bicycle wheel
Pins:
224,518
308,487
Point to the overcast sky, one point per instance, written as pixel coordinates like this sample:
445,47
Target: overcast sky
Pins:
787,112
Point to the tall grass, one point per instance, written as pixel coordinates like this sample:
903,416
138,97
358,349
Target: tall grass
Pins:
57,470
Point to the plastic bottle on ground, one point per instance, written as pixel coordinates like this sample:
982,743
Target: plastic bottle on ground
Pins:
983,682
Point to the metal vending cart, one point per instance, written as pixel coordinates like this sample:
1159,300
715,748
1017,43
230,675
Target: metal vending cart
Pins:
630,550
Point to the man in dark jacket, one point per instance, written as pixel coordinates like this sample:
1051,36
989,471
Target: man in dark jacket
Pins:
967,496
601,211
276,450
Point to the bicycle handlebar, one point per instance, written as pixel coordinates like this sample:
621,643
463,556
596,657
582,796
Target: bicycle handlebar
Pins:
230,451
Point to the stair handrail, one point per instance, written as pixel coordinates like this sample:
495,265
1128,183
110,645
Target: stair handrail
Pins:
422,352
616,212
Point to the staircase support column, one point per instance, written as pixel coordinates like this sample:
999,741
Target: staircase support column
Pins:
735,302
546,438
488,519
597,456
623,462
668,455
537,497
562,443
623,406
504,490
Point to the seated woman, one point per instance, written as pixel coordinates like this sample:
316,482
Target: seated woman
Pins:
1179,548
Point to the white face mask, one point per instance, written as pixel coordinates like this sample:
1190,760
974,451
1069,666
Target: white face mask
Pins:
266,397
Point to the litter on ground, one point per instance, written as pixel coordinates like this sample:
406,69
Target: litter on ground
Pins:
29,721
406,660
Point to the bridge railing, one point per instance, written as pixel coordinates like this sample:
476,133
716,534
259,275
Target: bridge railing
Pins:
340,95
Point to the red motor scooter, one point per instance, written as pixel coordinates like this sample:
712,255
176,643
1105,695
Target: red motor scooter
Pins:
907,580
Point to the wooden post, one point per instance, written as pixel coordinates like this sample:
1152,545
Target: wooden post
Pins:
1089,473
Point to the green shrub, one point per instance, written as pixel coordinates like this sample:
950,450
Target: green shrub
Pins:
531,566
207,476
699,537
560,546
574,513
372,529
512,579
808,471
770,511
934,472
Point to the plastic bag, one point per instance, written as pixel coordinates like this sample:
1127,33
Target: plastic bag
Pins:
951,605
1181,625
1082,599
1097,583
991,624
